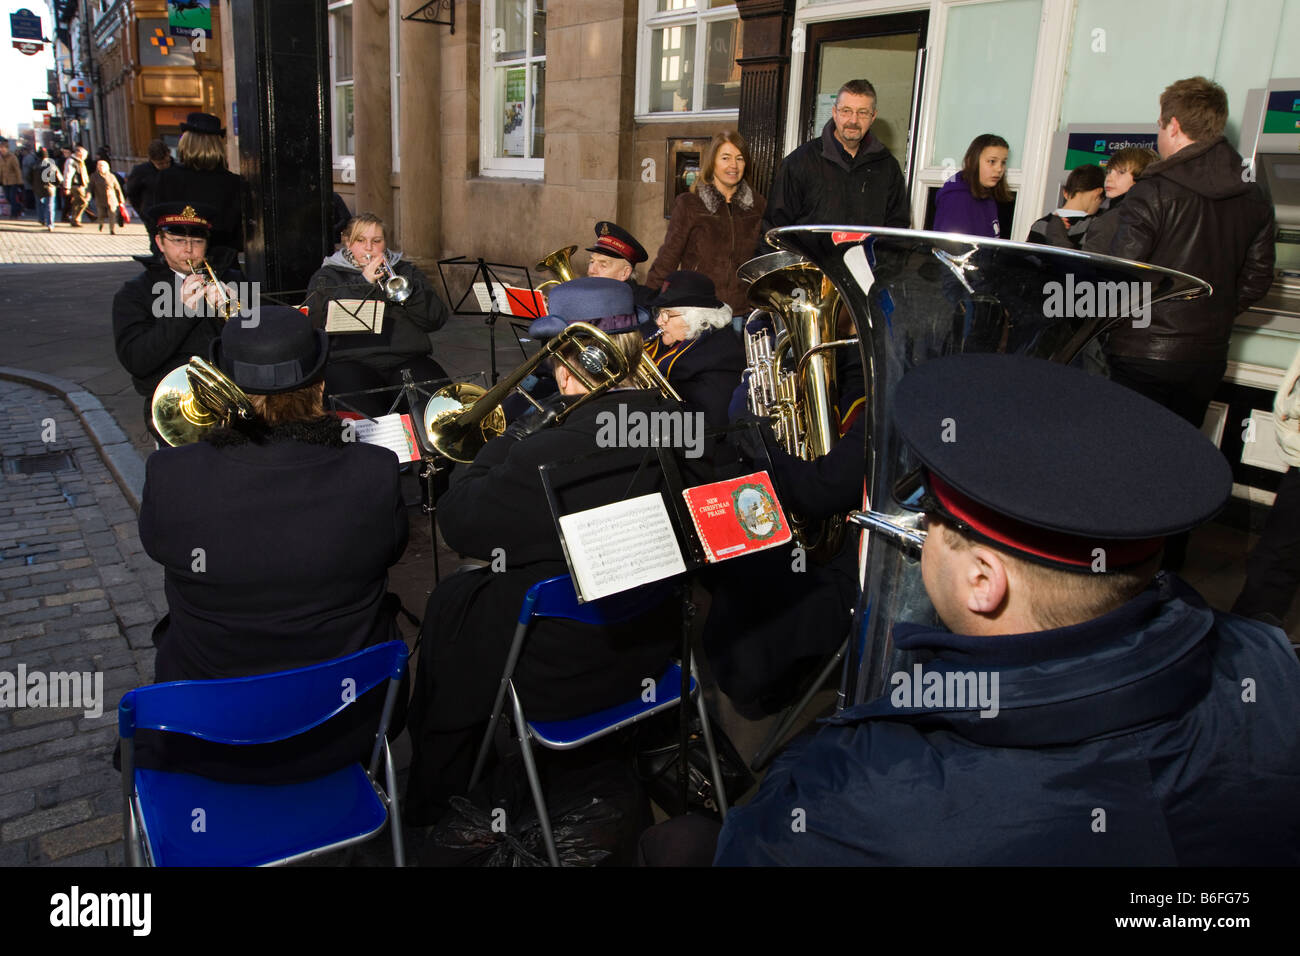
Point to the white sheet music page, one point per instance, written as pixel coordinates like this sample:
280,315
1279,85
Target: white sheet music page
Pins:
620,546
355,315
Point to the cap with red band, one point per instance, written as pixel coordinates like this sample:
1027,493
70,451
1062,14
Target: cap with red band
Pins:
1051,547
613,240
1053,463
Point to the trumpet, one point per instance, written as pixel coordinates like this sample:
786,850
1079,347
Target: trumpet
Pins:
395,287
229,305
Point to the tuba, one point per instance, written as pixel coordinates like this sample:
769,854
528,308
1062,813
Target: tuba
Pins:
793,382
558,264
915,296
461,418
193,399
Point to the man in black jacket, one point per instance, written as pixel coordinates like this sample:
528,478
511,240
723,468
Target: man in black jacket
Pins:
1195,210
845,176
168,313
143,178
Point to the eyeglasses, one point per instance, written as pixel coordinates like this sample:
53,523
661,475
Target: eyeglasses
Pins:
184,240
847,113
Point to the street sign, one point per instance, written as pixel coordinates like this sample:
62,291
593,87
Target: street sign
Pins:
40,105
79,90
25,27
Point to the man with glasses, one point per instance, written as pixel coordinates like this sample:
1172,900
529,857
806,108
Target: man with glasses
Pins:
1081,707
844,177
169,312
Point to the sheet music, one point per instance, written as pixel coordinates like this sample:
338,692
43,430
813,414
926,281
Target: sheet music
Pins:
496,302
355,315
620,546
394,432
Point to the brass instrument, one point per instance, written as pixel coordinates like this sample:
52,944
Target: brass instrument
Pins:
193,399
557,263
396,288
228,306
461,418
792,383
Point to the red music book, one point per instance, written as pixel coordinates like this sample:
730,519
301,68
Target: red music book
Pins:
737,516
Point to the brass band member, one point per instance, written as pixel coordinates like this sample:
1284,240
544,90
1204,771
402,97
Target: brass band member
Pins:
275,538
496,509
359,271
695,348
170,311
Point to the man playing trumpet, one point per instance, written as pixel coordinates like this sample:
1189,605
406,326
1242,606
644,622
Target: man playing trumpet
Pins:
173,309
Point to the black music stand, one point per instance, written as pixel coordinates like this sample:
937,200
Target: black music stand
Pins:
484,272
415,395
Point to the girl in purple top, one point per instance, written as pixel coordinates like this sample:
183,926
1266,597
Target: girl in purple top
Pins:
968,203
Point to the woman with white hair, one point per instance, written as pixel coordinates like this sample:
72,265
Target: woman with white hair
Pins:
695,348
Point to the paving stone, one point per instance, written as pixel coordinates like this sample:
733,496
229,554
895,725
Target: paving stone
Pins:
42,821
76,597
97,857
16,804
16,739
14,855
32,716
22,778
75,839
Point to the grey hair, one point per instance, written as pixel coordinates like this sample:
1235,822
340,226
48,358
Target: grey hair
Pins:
698,318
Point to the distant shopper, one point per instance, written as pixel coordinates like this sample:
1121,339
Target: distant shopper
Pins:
76,185
143,179
11,177
1068,224
108,196
968,203
49,180
1122,170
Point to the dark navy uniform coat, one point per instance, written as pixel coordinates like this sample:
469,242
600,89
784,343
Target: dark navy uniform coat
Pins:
1163,733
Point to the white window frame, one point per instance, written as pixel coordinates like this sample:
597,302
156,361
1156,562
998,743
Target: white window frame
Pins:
649,20
342,161
489,123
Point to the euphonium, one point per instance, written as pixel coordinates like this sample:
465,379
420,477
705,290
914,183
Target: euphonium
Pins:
193,399
558,264
798,394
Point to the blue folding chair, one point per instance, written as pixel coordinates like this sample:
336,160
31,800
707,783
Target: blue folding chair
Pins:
555,597
180,819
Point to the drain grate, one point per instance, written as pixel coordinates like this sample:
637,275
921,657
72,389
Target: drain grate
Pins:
55,461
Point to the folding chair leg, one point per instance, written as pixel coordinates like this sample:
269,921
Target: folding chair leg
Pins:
394,811
498,704
719,791
534,781
792,713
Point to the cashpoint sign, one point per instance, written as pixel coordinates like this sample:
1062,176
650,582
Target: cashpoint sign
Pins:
1084,148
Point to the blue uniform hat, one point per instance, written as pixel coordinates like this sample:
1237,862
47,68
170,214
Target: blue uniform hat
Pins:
605,303
1052,462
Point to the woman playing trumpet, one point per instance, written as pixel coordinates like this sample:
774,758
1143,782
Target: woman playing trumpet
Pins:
362,272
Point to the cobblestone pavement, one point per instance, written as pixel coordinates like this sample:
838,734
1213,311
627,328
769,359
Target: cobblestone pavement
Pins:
78,595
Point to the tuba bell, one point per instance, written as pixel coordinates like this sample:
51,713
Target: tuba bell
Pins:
193,399
558,264
793,382
915,296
